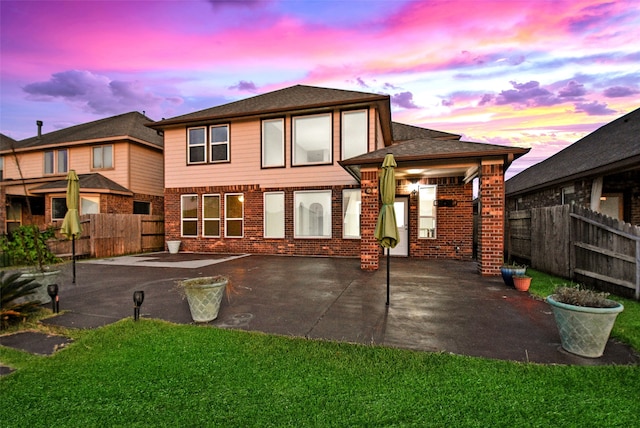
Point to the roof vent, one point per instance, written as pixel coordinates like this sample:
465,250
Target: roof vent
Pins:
39,123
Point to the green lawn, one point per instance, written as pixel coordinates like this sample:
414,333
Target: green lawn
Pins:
153,373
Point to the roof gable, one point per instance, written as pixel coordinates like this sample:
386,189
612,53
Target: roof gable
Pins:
607,146
127,125
403,132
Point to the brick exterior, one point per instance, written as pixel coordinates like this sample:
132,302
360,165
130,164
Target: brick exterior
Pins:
491,219
369,247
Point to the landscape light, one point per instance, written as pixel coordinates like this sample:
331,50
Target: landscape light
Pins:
138,298
52,290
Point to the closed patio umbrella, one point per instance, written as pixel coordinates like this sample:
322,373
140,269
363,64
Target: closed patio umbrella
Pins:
386,229
71,227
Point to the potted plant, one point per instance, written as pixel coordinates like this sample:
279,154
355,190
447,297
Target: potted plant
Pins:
508,270
173,247
521,282
27,246
584,318
204,295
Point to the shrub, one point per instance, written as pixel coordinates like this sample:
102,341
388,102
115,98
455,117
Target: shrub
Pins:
12,287
27,245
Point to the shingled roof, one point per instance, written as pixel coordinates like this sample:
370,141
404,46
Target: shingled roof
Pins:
612,147
130,125
87,182
7,142
403,132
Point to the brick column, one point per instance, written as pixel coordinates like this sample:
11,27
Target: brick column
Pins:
3,209
491,218
369,247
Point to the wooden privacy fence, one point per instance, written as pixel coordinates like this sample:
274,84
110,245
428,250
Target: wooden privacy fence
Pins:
574,242
108,235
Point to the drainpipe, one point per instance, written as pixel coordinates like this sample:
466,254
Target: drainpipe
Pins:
39,123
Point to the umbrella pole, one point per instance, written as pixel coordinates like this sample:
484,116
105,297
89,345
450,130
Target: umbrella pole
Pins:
388,260
73,256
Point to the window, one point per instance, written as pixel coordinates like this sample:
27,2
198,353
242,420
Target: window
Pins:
196,145
354,133
273,143
102,157
58,208
427,212
189,215
55,161
234,214
312,218
89,205
219,143
312,139
211,216
274,215
1,168
568,195
140,207
351,213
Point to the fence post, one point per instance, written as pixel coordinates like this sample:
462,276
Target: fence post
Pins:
637,269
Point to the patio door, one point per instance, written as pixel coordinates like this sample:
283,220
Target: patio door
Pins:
401,207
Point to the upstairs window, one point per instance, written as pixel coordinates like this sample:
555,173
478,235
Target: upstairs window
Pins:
219,143
196,142
273,143
354,133
102,157
427,212
1,168
312,140
55,161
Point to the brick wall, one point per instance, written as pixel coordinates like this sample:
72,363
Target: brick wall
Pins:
491,219
116,204
369,247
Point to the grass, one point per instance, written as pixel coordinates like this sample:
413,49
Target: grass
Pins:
154,373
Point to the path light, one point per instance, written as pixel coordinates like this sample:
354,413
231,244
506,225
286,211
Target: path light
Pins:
138,298
52,290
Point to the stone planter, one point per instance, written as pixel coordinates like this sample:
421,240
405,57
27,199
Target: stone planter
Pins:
584,331
521,282
204,296
173,246
508,272
44,279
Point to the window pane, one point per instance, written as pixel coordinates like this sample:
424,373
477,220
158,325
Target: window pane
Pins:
196,154
312,218
140,207
58,208
234,228
211,215
274,215
354,134
212,228
107,155
312,139
196,136
427,212
273,142
196,143
351,213
219,152
190,228
234,206
219,134
62,161
48,162
189,211
97,157
234,214
89,205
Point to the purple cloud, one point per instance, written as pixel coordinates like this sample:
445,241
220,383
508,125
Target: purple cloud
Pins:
237,3
448,103
243,85
529,94
619,91
594,108
573,89
67,84
404,100
486,99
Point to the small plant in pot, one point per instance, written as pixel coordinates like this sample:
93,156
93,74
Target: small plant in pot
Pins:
521,282
27,246
584,318
204,295
508,270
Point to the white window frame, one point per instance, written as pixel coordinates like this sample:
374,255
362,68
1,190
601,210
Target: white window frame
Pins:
213,144
184,219
102,157
324,136
423,204
354,206
206,219
274,219
299,223
227,218
269,147
52,159
354,144
202,145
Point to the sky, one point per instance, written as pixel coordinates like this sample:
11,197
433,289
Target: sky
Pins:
539,74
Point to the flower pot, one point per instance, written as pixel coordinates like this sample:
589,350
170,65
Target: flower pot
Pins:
44,279
173,246
509,271
584,331
204,296
521,282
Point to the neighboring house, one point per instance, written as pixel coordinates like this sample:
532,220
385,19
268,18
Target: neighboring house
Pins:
119,162
600,171
295,172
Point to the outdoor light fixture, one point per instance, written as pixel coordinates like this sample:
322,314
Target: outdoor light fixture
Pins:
138,298
52,290
414,186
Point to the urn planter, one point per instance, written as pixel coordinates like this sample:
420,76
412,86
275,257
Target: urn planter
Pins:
508,273
173,247
584,331
204,295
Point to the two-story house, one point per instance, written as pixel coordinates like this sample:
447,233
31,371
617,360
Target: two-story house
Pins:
119,162
295,172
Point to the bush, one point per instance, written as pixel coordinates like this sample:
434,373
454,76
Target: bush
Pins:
12,287
27,245
584,297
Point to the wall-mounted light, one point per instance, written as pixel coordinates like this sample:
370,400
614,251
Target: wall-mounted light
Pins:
414,186
368,190
138,298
